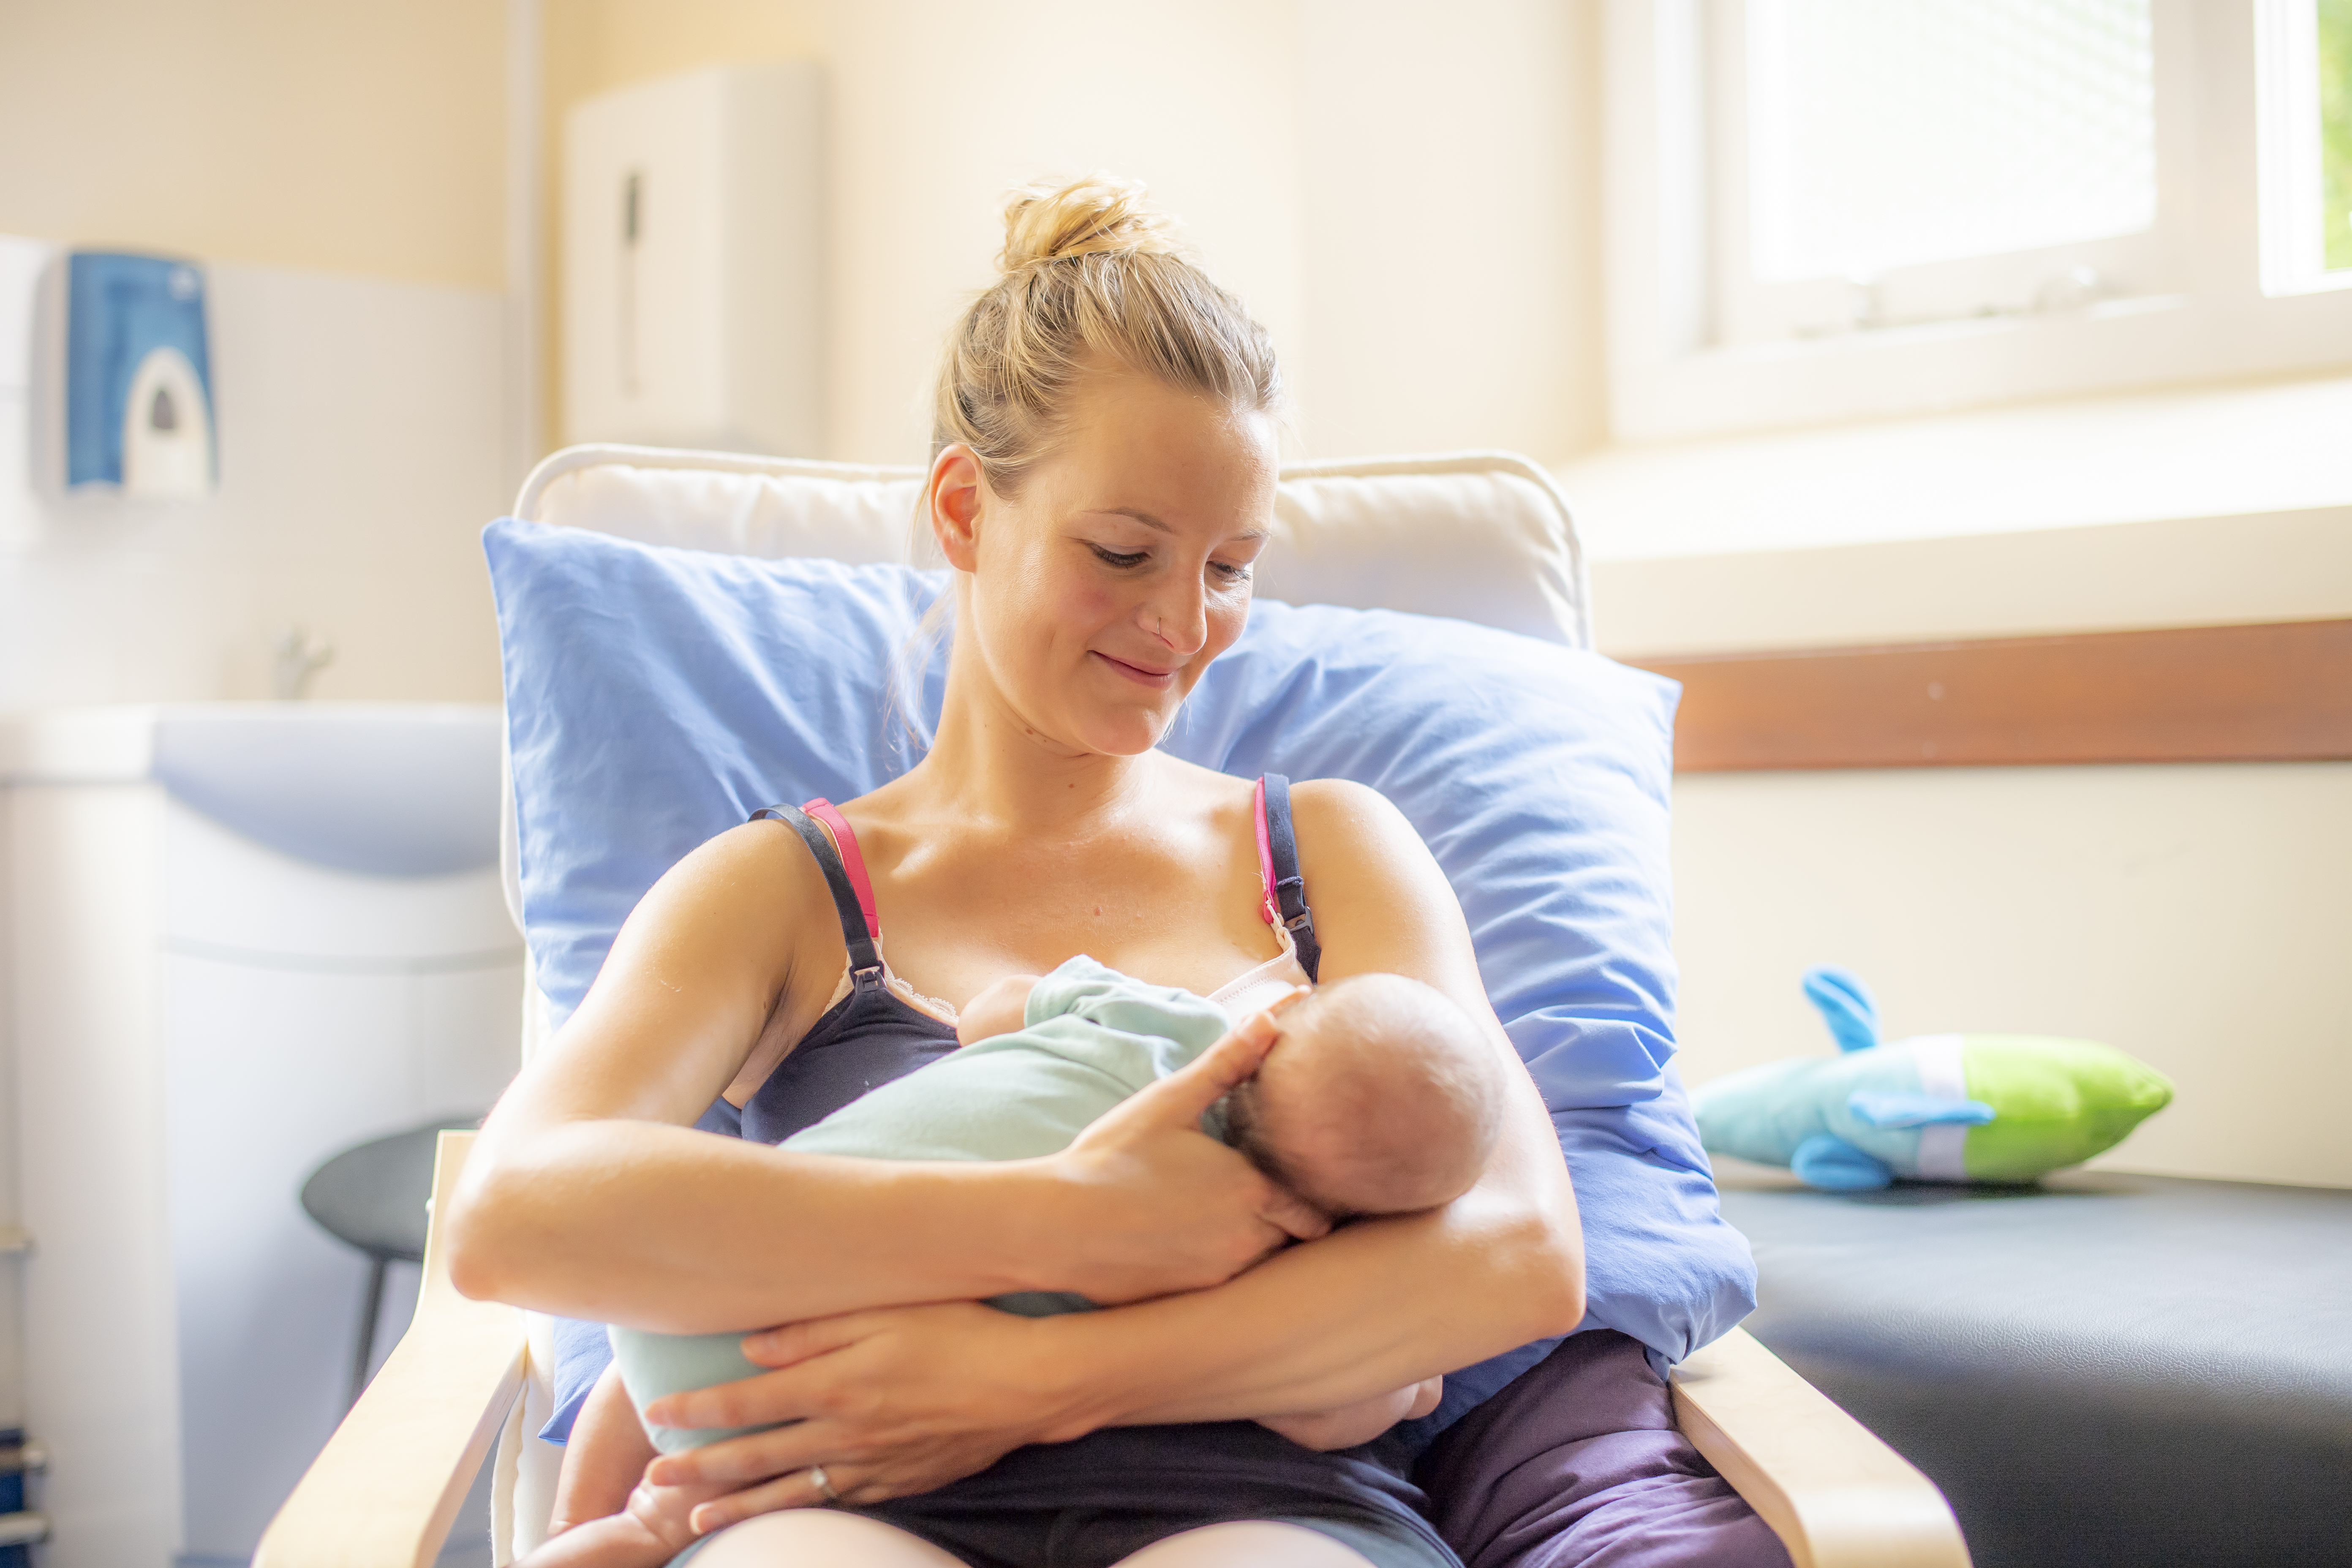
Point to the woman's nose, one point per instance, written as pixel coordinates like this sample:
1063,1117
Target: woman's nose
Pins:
1178,617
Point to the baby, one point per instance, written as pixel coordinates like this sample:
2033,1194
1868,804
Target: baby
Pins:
1380,1096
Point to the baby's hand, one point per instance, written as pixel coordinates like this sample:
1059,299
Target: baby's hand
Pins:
1360,1422
656,1526
998,1010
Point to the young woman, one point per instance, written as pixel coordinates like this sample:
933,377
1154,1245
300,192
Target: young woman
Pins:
1103,477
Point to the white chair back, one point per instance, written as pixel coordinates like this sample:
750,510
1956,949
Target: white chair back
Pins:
1480,536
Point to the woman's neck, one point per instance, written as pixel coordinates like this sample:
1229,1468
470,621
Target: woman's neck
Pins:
987,767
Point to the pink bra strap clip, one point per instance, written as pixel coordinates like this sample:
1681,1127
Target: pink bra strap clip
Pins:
844,838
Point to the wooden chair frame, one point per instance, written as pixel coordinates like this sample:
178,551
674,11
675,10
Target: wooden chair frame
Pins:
386,1488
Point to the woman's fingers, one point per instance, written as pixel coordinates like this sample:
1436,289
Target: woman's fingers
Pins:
1167,1209
1293,1215
775,1454
788,1344
1182,1096
759,1400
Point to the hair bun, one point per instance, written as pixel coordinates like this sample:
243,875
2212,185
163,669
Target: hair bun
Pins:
1095,215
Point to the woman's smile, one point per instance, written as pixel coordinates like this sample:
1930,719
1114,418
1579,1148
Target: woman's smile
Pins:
1157,680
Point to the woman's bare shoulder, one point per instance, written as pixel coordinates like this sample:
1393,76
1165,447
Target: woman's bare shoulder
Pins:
1342,819
1366,867
1381,900
750,902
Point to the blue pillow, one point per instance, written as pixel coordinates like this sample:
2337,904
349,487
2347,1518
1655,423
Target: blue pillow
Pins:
655,697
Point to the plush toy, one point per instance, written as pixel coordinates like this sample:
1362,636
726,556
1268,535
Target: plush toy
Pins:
1933,1108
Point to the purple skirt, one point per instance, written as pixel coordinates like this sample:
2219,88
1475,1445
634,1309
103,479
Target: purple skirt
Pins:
1577,1464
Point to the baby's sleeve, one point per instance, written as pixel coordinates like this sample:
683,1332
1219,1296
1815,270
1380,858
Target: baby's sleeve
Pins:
1085,989
1069,988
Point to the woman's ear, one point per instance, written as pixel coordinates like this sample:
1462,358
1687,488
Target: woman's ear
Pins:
957,488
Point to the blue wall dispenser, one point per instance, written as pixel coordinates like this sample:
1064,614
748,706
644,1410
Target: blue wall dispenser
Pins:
139,379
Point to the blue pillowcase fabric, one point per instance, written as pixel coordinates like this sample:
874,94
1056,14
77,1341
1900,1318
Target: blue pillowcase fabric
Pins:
656,697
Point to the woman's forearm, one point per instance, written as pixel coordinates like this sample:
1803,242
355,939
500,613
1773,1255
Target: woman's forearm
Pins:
1367,1310
670,1229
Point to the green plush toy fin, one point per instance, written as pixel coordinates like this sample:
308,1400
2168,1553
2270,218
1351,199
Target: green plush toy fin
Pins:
1846,1005
1827,1161
1886,1108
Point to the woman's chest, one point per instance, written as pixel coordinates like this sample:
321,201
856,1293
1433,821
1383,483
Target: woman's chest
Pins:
953,928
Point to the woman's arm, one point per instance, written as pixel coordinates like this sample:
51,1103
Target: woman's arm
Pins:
1382,1303
589,1194
1360,1422
1377,1305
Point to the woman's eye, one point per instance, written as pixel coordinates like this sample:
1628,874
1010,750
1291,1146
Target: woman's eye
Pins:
1113,558
1229,571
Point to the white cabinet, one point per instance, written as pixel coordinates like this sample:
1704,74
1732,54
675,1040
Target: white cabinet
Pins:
692,261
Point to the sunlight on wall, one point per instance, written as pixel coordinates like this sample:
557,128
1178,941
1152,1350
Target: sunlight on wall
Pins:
362,139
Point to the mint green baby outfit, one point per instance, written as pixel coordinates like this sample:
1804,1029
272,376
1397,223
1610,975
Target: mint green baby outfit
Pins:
1090,1037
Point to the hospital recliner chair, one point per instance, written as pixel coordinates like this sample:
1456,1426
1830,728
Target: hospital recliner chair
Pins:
1481,537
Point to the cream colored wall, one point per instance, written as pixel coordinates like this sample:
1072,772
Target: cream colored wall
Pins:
351,138
2196,916
938,109
1325,156
1450,198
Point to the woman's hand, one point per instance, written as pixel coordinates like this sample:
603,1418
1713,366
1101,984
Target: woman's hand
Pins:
890,1403
1158,1206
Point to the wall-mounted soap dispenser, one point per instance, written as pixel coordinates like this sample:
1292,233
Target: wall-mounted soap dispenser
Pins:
138,374
692,261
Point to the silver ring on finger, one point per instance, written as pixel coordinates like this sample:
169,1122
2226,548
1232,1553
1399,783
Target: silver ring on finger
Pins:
824,1485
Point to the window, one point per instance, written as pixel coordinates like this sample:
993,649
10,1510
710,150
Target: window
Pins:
2307,152
2332,41
1829,209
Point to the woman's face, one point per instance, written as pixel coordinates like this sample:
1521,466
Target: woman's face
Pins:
1099,591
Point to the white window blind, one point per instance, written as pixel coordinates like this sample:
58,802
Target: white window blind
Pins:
1886,135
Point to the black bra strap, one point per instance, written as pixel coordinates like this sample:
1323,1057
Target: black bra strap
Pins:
865,958
1289,887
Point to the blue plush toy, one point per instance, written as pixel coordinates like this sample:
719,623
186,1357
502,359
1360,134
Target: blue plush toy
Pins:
1935,1107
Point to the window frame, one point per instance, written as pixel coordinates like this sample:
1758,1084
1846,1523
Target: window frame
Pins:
1689,356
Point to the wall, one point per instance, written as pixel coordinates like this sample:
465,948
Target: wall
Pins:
1324,157
2196,916
342,168
351,138
1449,194
363,445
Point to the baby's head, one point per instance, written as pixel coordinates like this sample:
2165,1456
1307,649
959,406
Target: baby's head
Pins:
1379,1097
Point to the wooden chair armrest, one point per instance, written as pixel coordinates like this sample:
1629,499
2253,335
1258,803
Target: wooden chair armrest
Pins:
1835,1495
384,1490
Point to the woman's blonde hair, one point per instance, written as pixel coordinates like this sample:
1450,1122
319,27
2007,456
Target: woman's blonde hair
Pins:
1089,271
